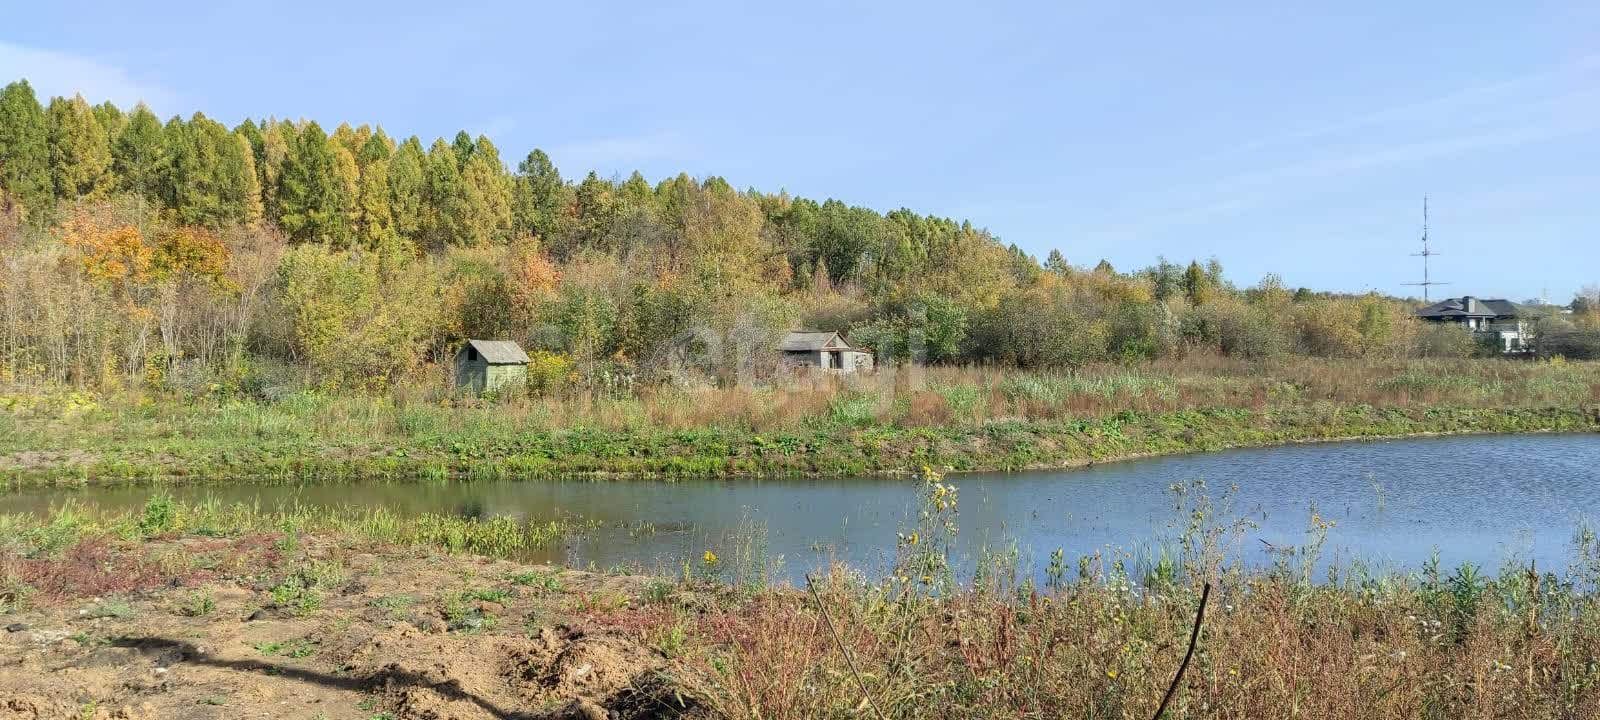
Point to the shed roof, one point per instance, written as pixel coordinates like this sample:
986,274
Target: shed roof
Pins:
500,352
1470,307
808,341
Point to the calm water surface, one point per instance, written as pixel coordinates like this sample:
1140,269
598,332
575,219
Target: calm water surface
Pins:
1481,499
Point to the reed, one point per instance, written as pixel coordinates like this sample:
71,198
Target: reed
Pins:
1106,641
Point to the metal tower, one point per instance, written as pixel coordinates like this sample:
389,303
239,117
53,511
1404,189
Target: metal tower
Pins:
1427,281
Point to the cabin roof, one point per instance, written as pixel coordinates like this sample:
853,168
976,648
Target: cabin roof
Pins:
499,352
1470,307
810,341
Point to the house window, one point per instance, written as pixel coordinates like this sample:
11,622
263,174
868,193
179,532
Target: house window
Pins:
472,354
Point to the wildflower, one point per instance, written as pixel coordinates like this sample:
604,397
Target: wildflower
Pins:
710,558
912,539
1111,674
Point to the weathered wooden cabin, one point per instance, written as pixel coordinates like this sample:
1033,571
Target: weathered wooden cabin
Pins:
823,350
488,365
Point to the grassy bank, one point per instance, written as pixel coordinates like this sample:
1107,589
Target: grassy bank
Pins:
337,624
949,419
71,522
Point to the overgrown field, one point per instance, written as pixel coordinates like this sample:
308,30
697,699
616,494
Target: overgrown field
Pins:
151,615
888,423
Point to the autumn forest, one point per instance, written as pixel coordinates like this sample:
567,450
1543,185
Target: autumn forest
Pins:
187,253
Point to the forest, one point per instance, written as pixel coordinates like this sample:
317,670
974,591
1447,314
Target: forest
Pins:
187,255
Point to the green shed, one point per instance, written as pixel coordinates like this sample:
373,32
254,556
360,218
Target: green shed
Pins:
488,365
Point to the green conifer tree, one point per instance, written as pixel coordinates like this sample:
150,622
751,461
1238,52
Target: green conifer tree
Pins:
24,150
463,148
313,202
374,218
275,137
442,206
256,139
80,152
139,154
596,203
407,189
211,174
1057,263
240,181
487,195
538,197
1196,286
110,117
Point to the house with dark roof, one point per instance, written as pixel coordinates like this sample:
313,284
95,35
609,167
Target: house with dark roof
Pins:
824,351
1499,321
489,365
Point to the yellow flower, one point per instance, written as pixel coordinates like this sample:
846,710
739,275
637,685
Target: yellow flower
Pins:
912,539
711,558
1111,674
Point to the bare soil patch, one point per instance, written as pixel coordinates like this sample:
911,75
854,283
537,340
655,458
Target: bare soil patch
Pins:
387,635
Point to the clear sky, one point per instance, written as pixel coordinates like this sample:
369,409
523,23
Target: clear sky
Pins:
1297,140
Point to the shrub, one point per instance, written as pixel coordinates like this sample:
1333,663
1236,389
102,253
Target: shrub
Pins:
550,373
160,515
1572,345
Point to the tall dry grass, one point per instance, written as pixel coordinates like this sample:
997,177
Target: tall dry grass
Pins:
1104,642
931,397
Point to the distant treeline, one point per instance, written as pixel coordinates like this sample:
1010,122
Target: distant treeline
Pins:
185,251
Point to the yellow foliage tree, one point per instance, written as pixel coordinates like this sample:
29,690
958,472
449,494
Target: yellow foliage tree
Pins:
117,255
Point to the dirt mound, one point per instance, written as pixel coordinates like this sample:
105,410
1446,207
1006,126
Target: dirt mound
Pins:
594,666
34,707
436,676
554,673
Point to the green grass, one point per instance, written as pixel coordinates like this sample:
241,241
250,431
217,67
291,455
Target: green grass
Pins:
544,582
33,536
297,649
200,605
116,608
494,595
269,648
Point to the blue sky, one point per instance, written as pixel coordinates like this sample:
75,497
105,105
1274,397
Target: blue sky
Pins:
1291,140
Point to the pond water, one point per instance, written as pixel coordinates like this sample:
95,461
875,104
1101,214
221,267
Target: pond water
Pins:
1479,499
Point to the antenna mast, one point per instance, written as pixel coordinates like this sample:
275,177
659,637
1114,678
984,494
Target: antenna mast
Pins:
1427,281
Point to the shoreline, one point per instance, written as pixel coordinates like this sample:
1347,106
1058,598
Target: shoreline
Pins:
1076,464
880,452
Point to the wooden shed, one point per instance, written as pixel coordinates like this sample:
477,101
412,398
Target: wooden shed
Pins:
488,365
823,350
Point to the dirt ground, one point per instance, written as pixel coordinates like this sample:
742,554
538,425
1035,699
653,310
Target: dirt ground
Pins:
352,634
